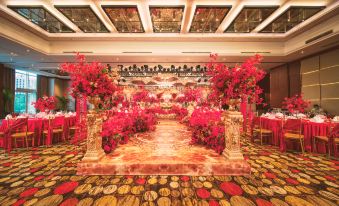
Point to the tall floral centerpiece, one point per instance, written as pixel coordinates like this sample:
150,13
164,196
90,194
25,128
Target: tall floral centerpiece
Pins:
45,104
231,86
93,81
296,104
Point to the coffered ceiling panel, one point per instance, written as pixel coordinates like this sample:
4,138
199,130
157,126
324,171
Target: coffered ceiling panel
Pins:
41,17
84,18
291,18
126,19
167,19
207,19
249,18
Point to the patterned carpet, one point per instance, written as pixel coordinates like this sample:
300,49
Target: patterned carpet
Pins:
46,176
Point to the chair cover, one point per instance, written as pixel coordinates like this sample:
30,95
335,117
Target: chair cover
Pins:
16,125
292,125
55,123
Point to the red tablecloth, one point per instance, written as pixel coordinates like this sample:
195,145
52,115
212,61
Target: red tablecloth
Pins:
37,126
309,129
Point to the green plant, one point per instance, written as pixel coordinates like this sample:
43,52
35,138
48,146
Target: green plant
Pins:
8,97
62,103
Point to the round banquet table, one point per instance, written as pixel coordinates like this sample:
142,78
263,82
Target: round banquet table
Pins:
309,129
38,125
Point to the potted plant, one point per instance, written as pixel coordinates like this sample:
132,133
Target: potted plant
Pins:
7,96
62,103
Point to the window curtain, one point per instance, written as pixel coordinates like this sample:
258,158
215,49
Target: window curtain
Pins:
7,81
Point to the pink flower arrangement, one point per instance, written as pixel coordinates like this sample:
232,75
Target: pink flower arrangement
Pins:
207,129
189,95
141,96
296,103
180,112
45,103
121,125
89,79
239,82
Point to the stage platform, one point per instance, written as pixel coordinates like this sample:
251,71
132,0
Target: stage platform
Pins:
165,151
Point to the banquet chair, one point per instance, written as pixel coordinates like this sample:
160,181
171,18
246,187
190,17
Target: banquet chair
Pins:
257,129
326,139
56,127
292,130
19,131
335,135
72,131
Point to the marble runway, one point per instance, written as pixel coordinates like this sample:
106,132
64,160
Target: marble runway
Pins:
165,151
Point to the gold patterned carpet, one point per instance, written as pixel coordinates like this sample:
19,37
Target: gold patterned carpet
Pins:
47,177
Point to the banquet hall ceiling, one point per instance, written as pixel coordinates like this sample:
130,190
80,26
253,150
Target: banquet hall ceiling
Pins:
55,17
164,32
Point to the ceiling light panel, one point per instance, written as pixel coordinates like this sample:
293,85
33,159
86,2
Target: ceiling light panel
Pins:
40,16
126,19
291,18
207,19
84,18
249,18
167,19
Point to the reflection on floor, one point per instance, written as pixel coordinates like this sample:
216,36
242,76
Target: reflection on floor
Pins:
47,176
165,151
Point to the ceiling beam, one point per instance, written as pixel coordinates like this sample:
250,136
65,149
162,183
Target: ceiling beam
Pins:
96,7
283,7
232,14
145,16
188,16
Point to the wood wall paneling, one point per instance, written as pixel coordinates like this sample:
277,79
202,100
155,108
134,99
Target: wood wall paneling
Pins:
294,78
7,80
278,85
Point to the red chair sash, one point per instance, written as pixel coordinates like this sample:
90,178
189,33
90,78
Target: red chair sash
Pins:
335,131
292,125
16,125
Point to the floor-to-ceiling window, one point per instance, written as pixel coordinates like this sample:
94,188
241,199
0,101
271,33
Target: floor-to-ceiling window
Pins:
25,92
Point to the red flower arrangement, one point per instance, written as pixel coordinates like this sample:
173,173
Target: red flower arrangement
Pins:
141,96
180,112
89,79
239,82
207,129
121,126
189,95
45,103
296,104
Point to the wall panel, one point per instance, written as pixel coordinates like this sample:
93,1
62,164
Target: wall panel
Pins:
320,80
278,85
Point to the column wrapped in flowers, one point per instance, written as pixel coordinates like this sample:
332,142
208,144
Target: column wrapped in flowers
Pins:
231,86
93,81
